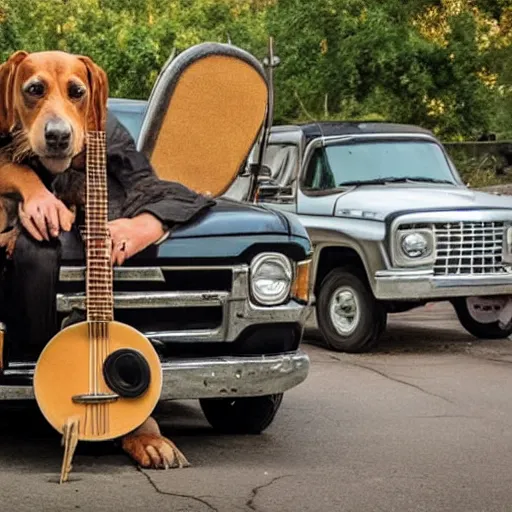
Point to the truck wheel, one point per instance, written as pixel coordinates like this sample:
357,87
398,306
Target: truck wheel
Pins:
349,316
251,415
491,331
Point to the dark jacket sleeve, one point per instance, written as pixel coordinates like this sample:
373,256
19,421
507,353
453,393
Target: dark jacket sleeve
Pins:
170,202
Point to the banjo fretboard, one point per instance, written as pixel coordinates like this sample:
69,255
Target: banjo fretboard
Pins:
99,294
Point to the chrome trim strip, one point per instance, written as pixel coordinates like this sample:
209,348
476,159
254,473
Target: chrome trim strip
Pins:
204,267
452,216
404,273
472,280
16,392
390,135
216,377
399,285
131,300
73,274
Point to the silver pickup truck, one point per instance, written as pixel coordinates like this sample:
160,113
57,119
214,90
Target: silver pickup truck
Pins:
392,225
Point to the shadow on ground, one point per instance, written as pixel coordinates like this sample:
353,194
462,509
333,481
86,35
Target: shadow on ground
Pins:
29,443
433,328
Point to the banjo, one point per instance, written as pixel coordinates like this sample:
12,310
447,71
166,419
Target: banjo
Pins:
98,379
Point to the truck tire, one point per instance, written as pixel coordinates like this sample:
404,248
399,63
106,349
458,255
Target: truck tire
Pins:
490,331
349,317
248,415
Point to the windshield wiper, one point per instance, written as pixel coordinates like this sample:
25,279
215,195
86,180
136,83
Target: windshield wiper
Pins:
392,179
431,180
376,181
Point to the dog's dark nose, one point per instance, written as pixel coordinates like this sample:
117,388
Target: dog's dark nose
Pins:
57,134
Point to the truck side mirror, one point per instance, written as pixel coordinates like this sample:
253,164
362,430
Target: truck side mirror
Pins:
270,189
262,171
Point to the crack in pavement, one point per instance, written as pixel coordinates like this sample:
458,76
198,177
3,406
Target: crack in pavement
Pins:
177,495
394,379
495,360
254,492
446,416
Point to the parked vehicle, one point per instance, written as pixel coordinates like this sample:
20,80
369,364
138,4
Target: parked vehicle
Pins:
392,225
224,298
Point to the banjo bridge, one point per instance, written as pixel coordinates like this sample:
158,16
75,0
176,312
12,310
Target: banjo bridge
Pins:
98,398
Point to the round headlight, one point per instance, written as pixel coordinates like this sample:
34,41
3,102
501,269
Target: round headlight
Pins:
271,278
415,245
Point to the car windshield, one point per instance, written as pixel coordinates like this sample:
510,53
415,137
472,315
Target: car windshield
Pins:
377,162
132,121
131,118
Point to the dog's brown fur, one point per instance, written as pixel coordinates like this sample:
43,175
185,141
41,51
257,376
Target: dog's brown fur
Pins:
23,117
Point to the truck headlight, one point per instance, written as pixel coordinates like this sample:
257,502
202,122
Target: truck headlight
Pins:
414,247
271,278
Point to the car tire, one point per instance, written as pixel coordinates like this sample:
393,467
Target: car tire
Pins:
248,415
491,331
349,317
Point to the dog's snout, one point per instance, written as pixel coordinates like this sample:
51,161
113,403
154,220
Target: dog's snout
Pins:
57,135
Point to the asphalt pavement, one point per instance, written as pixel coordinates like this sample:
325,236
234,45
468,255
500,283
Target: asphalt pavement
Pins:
423,423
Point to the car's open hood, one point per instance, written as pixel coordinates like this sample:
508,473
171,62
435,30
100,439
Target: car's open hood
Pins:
379,201
204,115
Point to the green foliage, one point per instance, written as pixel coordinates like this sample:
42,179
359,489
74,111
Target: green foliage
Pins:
341,59
478,168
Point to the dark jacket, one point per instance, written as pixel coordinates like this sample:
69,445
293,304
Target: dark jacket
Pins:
133,186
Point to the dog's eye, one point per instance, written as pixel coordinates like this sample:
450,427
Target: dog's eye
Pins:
76,91
35,89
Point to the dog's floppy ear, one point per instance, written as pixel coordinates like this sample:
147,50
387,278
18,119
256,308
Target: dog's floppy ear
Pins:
7,77
98,86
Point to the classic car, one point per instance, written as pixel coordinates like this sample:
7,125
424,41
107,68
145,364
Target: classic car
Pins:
224,298
392,225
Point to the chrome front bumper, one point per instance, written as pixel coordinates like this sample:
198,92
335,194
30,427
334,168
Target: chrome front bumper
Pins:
214,377
423,284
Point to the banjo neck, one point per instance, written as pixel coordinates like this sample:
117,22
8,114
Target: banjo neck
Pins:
99,292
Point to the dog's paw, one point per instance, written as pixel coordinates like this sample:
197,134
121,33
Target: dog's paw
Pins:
153,451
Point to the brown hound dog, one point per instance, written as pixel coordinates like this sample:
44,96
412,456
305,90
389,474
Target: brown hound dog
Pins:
48,101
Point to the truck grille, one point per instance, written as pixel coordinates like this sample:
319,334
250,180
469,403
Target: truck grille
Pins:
468,248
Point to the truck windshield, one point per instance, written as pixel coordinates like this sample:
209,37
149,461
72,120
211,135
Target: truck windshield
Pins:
377,162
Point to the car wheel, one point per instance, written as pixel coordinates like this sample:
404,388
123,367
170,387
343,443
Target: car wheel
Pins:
488,330
251,415
349,316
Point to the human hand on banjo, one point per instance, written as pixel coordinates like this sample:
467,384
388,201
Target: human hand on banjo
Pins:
130,236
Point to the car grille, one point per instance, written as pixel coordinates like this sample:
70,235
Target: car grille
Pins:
468,248
154,299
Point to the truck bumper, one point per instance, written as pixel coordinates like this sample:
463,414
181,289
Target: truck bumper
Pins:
422,284
212,377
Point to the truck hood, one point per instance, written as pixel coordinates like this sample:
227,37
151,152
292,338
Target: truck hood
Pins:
379,201
231,218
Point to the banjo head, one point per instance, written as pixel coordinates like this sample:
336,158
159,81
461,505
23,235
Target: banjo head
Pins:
62,376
